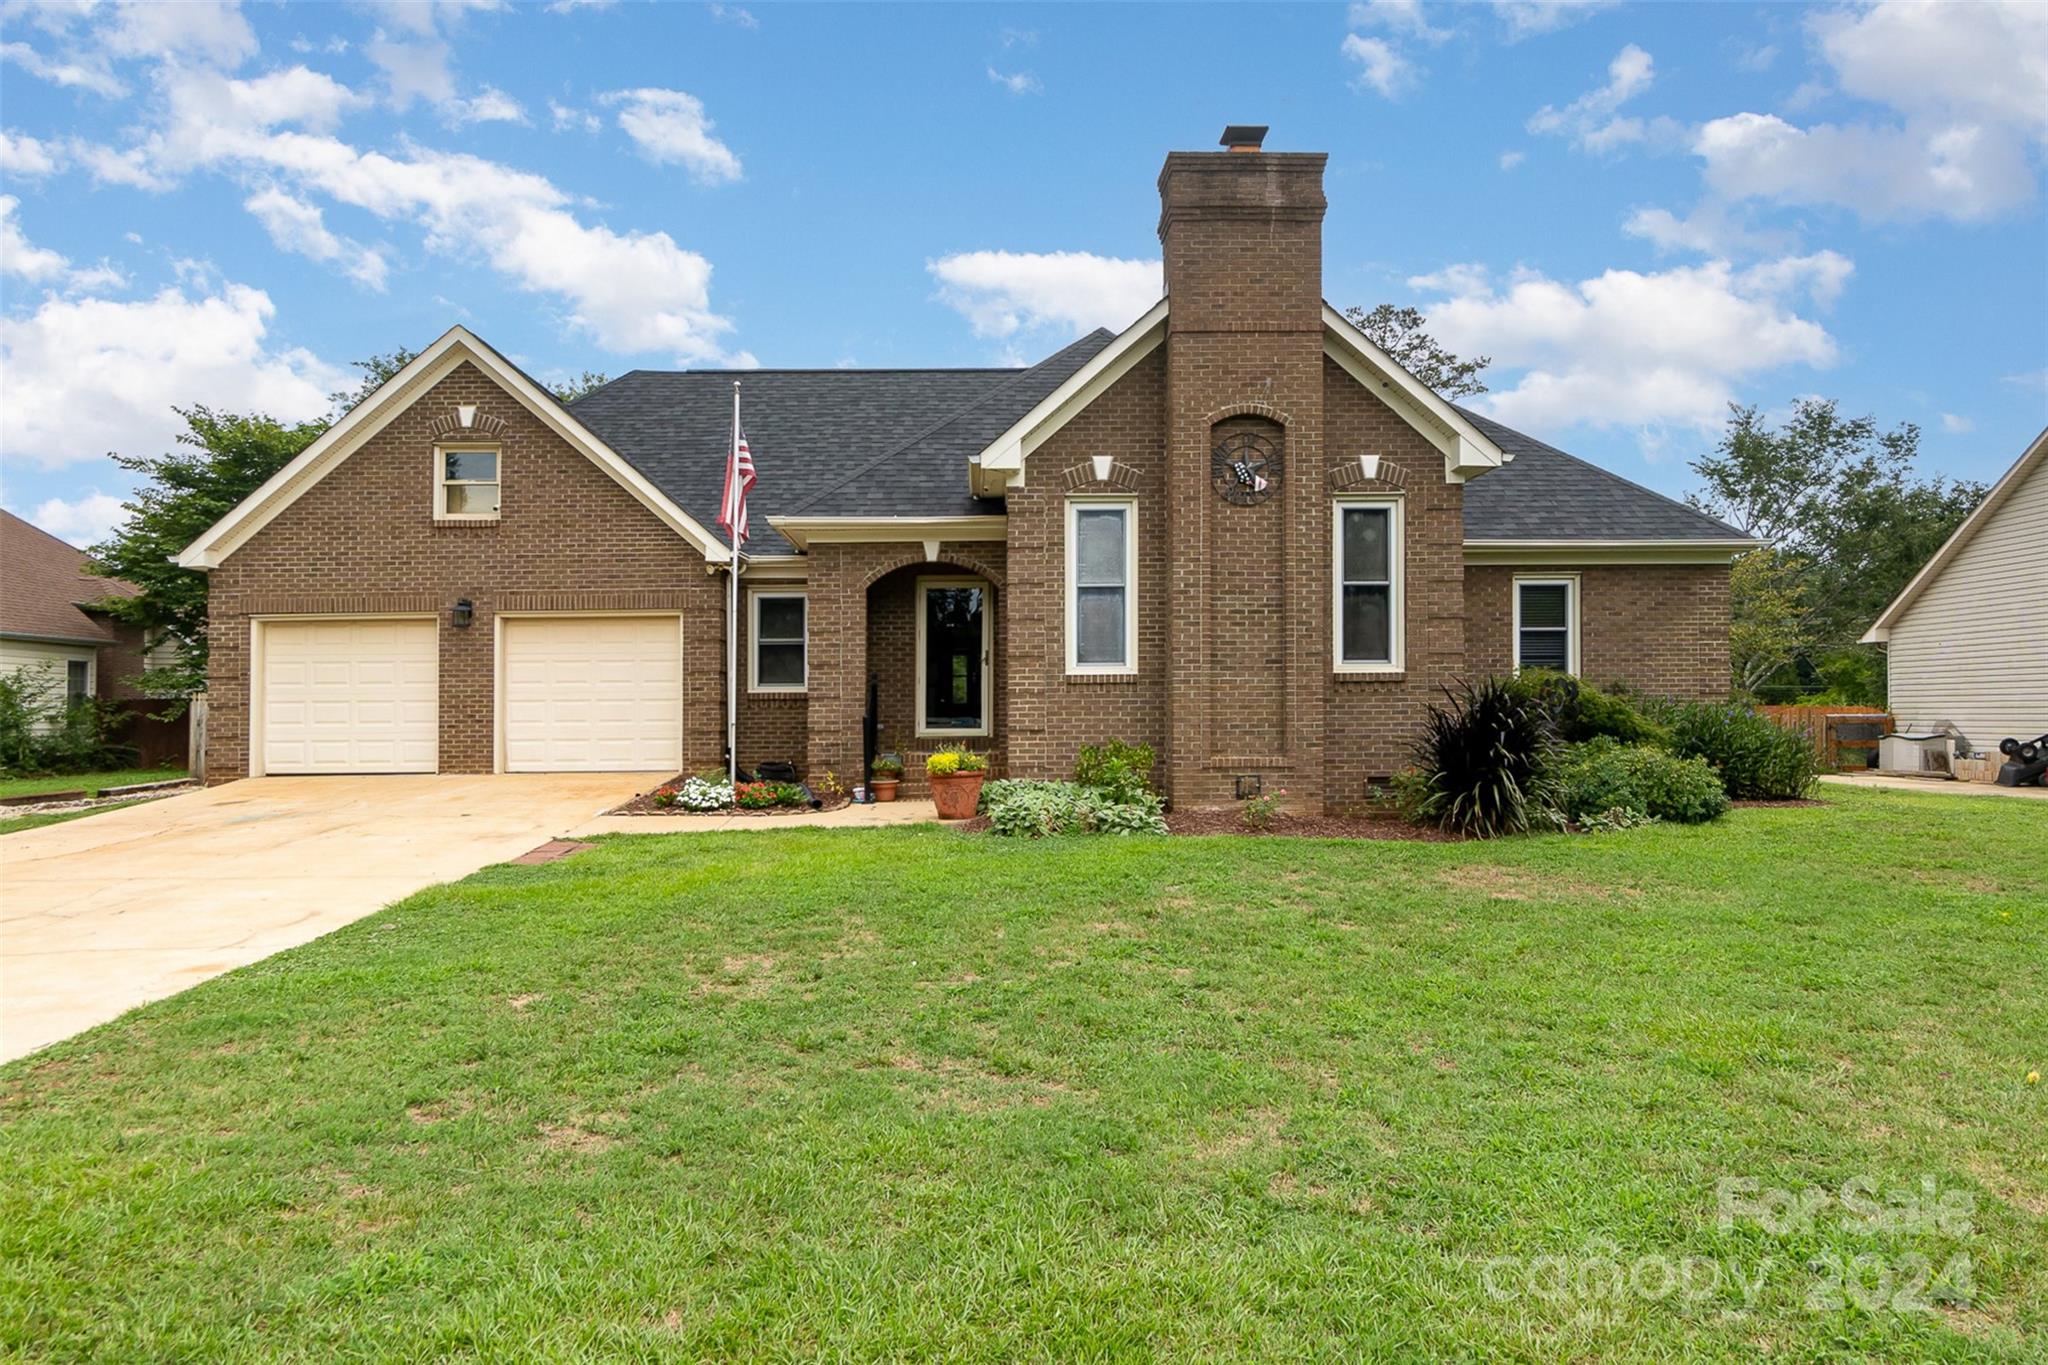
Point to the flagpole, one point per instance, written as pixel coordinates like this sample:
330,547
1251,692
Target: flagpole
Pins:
732,618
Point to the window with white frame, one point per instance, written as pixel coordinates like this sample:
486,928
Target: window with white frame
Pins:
77,681
1102,573
781,663
1547,623
1367,630
466,482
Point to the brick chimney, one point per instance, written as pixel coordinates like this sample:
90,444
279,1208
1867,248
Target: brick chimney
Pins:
1247,638
1243,235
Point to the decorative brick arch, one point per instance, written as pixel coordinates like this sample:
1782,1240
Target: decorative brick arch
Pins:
949,557
1251,407
481,424
1348,476
1122,477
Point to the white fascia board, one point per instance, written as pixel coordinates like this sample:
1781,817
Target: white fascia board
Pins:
1001,463
1880,631
803,532
773,568
454,347
1563,553
1466,450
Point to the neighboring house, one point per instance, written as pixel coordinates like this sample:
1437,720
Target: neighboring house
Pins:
1965,639
49,628
1236,531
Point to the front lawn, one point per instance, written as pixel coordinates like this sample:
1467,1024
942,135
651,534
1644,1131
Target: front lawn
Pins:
14,824
913,1093
89,783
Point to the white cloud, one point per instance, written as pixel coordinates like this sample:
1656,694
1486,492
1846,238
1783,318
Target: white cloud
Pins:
1527,18
19,256
571,6
1510,160
564,118
670,126
1960,171
1956,424
1968,85
80,521
1756,58
1001,293
1590,121
1397,16
1021,83
128,167
297,226
74,74
207,30
2027,379
413,70
735,14
1631,348
86,376
1710,229
27,158
491,106
1380,67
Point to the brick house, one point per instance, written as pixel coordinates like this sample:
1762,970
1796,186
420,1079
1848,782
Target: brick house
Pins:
1235,530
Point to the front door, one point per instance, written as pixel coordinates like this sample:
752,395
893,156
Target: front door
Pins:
954,623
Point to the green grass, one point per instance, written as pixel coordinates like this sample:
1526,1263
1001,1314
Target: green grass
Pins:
912,1093
89,783
16,823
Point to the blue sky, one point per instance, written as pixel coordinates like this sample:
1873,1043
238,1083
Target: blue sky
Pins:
1643,212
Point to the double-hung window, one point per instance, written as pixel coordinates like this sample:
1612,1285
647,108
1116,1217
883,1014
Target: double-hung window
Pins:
1102,576
466,482
1547,623
77,681
1367,629
780,662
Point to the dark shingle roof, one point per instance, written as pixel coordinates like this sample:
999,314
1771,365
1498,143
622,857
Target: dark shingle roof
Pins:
1545,494
847,443
872,443
42,581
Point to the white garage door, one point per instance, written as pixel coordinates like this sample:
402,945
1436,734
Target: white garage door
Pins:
350,697
593,694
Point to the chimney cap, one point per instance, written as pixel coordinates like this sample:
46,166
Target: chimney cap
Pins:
1244,137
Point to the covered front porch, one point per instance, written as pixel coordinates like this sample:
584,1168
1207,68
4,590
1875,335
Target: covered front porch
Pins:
908,637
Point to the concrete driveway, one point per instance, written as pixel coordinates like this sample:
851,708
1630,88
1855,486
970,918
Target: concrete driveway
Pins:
105,913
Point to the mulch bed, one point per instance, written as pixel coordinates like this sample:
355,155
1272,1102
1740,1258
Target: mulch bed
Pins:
1288,824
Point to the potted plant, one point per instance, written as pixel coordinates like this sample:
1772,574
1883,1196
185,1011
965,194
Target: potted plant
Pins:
884,773
956,776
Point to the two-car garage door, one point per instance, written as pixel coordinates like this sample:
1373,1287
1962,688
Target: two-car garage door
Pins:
573,693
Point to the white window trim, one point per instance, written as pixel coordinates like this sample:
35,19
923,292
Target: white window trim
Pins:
1570,584
1397,594
754,683
441,452
1073,587
988,664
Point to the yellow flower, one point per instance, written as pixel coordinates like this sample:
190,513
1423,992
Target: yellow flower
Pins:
2033,1078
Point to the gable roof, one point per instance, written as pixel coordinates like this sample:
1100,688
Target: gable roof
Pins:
2001,492
42,582
453,348
826,443
1545,495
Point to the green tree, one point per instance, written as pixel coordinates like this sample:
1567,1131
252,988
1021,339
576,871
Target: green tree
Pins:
1399,332
377,371
1846,523
569,390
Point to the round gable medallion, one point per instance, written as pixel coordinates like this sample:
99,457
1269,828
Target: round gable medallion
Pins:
1245,468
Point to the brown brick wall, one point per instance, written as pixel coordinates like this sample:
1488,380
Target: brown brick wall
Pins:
773,725
1661,629
364,540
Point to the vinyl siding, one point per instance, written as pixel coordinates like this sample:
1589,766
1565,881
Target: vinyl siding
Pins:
48,660
1971,648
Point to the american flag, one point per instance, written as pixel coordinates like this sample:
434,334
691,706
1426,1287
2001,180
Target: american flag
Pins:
739,477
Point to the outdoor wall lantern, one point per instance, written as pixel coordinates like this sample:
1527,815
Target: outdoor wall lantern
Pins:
465,612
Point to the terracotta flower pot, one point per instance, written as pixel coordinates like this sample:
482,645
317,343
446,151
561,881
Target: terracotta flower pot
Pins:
884,787
957,794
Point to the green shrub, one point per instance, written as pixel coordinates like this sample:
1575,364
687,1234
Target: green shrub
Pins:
1601,776
1485,762
1121,771
1579,711
1034,810
1757,758
42,732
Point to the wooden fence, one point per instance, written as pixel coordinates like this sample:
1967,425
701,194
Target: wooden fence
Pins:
1843,736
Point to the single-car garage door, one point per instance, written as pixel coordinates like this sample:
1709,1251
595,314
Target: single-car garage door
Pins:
350,696
593,693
